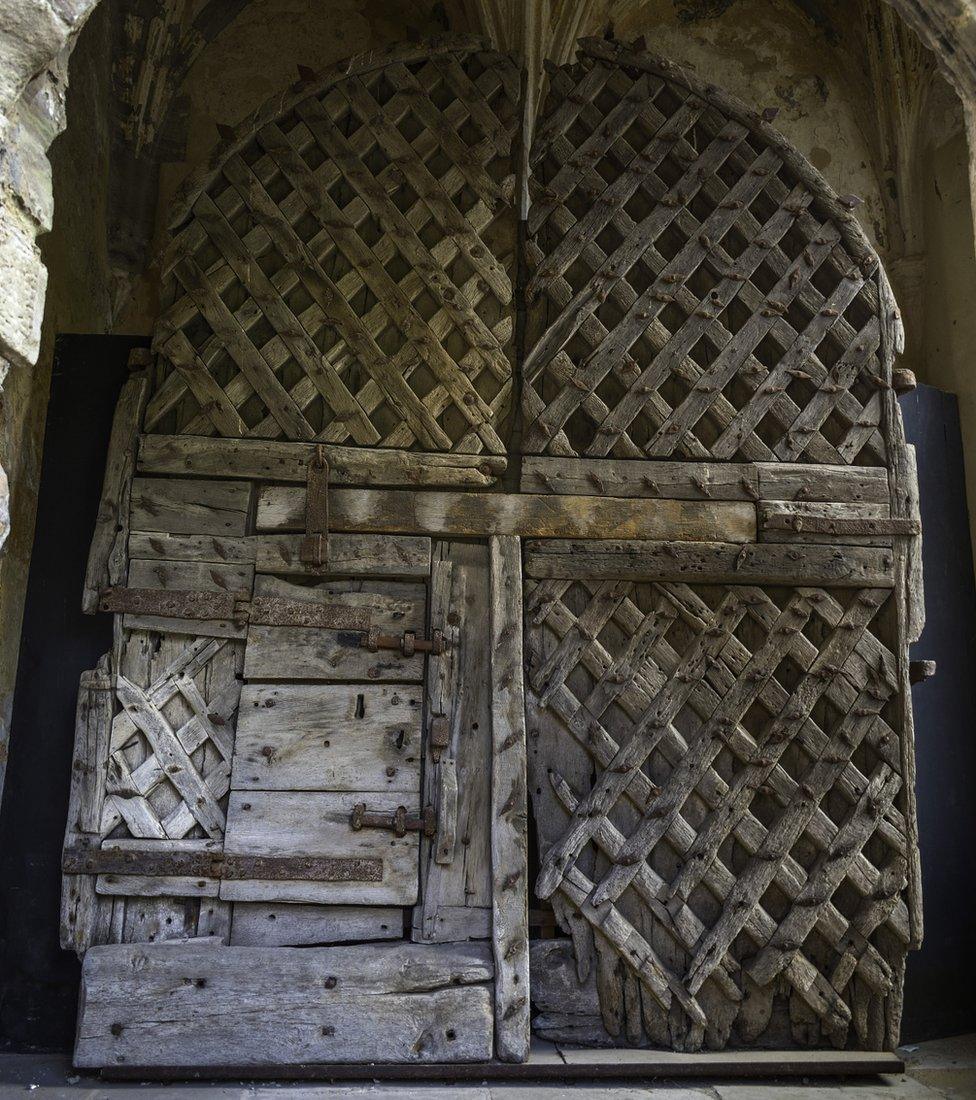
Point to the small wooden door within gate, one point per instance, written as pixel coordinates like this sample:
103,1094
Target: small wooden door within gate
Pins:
299,818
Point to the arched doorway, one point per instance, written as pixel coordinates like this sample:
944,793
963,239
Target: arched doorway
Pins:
376,406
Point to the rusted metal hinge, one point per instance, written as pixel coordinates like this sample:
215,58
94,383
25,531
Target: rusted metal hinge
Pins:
236,607
438,735
406,643
398,821
314,549
78,860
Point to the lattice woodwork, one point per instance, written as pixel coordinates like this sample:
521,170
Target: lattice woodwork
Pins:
171,744
694,288
347,276
719,792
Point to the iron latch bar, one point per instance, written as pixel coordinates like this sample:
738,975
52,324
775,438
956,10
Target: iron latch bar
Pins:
237,607
314,549
406,643
397,821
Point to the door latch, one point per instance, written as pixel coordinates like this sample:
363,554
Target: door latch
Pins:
398,821
406,643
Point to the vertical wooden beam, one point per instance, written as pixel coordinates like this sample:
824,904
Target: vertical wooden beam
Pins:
509,853
107,556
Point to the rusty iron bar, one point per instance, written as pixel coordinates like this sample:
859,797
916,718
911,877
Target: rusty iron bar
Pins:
397,821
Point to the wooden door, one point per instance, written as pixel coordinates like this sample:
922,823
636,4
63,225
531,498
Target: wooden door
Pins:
701,508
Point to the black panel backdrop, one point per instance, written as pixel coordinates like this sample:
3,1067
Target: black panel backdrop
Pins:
39,982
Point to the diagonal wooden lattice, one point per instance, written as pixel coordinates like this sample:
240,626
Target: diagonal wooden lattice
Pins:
348,274
692,289
742,819
171,744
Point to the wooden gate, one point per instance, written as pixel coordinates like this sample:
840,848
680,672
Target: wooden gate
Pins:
347,488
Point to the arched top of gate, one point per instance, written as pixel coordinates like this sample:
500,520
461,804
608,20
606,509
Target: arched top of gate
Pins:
697,289
343,268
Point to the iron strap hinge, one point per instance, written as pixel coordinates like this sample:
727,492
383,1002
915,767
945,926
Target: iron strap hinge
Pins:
397,821
236,607
314,549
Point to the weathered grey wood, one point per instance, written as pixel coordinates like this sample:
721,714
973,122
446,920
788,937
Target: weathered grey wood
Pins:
282,508
189,1005
83,917
457,876
189,576
257,924
810,482
106,557
635,478
315,823
184,507
509,807
273,460
298,653
349,555
566,1009
157,886
710,563
157,545
327,737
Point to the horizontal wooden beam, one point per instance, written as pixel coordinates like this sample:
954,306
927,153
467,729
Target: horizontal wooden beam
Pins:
272,460
710,562
282,508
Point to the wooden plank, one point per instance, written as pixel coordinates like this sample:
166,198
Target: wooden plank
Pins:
299,653
509,809
84,919
636,478
183,507
106,557
327,737
158,545
190,1005
316,823
810,482
189,576
349,555
264,924
282,508
457,876
161,886
566,1008
273,460
710,563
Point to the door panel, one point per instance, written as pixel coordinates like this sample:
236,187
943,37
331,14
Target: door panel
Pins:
295,653
316,824
335,737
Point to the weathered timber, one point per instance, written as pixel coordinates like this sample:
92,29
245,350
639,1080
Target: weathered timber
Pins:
509,808
200,1006
456,863
257,924
106,557
567,1010
310,653
634,478
314,825
282,508
869,524
158,545
710,563
335,737
813,482
184,507
274,460
349,556
84,918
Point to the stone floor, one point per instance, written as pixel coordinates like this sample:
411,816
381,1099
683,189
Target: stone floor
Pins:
940,1070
